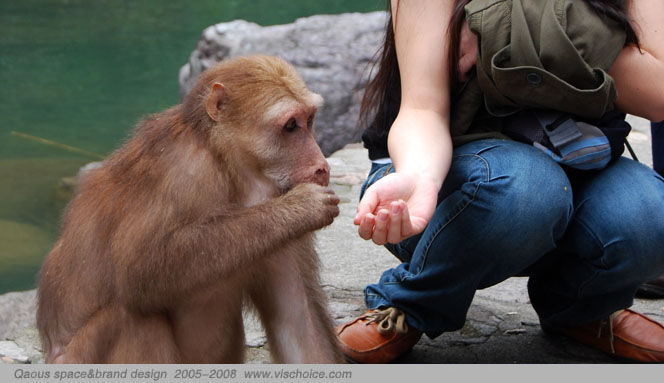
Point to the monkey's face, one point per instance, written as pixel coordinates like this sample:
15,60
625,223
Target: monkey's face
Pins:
264,113
287,144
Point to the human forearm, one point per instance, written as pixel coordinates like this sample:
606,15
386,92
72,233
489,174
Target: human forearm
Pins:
420,143
401,204
419,140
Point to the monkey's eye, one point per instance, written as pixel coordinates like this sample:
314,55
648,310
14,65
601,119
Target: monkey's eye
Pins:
291,125
310,122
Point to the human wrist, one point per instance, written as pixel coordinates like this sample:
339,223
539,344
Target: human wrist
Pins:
419,175
422,152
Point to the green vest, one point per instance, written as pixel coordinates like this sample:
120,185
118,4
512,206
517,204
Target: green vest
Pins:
550,54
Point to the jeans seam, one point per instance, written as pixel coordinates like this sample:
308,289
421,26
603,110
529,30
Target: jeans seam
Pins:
442,227
595,239
486,163
387,170
427,248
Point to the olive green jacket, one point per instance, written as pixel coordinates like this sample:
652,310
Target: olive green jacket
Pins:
550,54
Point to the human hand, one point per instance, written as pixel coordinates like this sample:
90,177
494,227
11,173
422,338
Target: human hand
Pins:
396,207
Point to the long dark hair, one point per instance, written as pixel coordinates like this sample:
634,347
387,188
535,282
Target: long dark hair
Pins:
382,96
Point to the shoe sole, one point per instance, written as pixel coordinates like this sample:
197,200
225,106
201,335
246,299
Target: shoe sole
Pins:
557,337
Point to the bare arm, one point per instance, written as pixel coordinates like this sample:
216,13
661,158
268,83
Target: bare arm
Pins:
419,140
639,75
401,204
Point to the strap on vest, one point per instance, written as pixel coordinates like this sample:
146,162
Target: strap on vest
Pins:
559,127
569,142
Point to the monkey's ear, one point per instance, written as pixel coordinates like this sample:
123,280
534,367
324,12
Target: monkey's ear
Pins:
214,101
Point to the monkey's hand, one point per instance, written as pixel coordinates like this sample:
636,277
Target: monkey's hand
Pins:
315,205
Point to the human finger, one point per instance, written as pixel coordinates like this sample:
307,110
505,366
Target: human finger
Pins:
366,206
406,224
380,228
366,226
394,231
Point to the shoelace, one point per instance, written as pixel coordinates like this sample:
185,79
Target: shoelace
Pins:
601,326
389,320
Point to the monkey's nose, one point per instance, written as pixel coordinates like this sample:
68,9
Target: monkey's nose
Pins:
322,174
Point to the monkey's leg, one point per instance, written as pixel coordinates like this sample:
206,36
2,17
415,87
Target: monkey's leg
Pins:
293,310
145,339
114,335
91,343
209,326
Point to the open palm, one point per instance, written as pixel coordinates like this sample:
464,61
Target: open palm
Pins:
396,207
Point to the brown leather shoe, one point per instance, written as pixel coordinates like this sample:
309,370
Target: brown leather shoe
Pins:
378,336
626,334
652,289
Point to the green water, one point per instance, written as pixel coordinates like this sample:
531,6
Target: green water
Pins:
81,73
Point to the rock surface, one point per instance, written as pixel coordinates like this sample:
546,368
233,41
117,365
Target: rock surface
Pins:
330,52
17,311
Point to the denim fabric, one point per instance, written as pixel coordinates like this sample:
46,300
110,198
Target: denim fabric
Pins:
586,239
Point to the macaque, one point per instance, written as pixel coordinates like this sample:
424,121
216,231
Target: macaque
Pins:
209,208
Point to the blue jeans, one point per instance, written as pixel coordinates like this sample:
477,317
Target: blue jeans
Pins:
586,240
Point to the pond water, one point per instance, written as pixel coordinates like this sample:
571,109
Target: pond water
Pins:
75,76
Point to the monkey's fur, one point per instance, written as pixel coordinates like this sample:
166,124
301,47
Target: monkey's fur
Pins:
210,205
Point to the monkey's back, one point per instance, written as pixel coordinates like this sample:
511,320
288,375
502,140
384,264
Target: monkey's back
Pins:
120,208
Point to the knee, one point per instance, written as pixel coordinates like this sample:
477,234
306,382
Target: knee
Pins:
637,253
625,207
620,220
531,195
641,229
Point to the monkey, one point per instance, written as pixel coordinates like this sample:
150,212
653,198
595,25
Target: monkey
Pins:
208,209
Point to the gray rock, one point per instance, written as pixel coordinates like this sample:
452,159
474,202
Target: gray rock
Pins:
9,349
17,311
330,52
22,347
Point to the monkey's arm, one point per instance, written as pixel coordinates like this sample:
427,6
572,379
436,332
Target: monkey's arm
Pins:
222,244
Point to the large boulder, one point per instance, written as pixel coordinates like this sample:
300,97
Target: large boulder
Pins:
332,53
